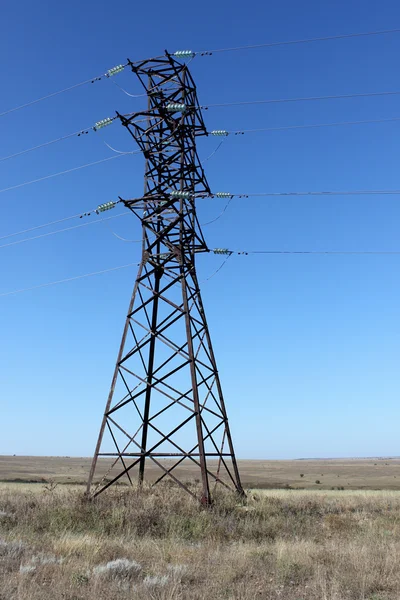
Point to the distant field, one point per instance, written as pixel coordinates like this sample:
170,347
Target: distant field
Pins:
371,473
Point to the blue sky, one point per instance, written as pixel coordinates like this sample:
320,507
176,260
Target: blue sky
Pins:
307,346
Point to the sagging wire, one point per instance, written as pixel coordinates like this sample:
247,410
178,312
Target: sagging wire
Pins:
127,93
229,254
114,149
214,152
220,214
119,236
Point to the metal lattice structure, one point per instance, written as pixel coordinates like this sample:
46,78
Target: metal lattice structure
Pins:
165,403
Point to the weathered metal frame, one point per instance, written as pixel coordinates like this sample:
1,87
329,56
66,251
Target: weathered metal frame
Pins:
172,237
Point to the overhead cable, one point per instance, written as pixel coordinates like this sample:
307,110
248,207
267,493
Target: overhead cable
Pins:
228,252
220,214
321,252
42,285
97,162
110,73
99,209
323,193
119,236
99,125
77,216
221,132
60,139
215,251
299,41
222,195
43,235
301,99
213,152
216,132
189,54
219,268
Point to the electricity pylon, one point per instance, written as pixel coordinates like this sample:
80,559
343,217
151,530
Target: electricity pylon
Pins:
165,403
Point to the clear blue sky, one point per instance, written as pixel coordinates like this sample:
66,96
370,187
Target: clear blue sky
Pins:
307,346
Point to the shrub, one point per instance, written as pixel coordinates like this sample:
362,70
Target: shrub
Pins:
121,568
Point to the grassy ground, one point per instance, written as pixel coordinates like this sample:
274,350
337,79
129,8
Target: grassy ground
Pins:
292,545
372,473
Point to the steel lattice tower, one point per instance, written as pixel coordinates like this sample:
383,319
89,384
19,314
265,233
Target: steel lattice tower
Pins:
166,400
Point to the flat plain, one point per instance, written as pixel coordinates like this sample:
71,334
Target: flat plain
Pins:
351,473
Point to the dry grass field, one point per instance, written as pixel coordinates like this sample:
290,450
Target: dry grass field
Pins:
371,473
334,540
159,544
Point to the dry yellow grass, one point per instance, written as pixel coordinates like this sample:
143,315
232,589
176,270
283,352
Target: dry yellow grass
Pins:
292,545
372,473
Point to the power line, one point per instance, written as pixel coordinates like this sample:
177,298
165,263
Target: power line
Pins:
226,132
95,127
316,125
228,252
233,132
120,236
78,133
216,251
226,104
64,137
221,213
301,99
100,208
213,152
97,162
37,237
120,68
324,193
222,195
300,41
72,87
79,215
290,194
377,252
110,73
219,268
42,285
